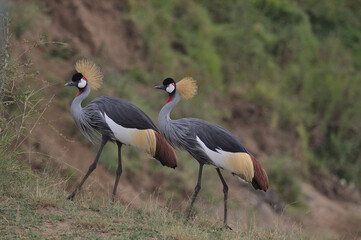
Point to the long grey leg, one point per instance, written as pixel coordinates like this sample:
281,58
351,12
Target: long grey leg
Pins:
196,190
225,191
91,168
119,170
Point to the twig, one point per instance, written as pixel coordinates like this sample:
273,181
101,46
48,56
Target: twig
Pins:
6,54
128,205
37,44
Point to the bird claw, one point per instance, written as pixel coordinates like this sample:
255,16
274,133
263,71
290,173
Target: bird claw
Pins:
226,227
71,196
190,215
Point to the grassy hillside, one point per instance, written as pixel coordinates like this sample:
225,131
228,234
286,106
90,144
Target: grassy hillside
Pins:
34,207
282,75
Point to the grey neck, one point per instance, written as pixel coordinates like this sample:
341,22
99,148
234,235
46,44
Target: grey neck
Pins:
164,114
76,108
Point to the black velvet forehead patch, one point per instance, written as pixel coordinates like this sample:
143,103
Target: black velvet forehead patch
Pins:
77,77
168,81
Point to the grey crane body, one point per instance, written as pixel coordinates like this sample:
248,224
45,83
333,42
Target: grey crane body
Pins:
91,119
182,134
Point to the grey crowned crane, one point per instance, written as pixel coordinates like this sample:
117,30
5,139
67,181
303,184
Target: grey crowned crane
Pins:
207,143
112,119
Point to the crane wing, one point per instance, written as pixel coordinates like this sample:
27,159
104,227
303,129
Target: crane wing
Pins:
123,113
215,137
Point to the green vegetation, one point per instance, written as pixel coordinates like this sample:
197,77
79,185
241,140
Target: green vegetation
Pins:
283,175
299,61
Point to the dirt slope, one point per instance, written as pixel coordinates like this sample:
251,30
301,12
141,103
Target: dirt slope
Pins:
98,28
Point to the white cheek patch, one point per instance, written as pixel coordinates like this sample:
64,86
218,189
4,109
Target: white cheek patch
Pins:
170,88
82,83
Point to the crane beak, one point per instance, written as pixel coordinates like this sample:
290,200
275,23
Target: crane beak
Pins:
162,87
70,84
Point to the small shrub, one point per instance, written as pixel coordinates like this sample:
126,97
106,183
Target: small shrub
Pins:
282,173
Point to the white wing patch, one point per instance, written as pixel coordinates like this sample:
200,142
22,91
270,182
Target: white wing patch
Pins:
145,140
239,163
218,157
121,133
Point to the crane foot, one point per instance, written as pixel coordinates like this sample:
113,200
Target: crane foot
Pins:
71,196
226,227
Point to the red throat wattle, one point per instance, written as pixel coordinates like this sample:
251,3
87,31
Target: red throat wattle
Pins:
169,99
79,92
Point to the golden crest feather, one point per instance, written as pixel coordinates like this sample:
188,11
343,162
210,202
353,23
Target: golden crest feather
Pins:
187,87
91,72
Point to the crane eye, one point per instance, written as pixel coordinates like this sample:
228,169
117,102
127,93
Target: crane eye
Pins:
82,83
170,88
